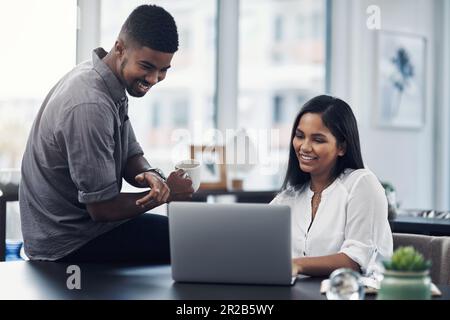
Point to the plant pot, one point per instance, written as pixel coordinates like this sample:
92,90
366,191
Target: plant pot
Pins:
405,285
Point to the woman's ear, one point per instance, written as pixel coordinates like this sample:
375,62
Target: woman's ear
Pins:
342,148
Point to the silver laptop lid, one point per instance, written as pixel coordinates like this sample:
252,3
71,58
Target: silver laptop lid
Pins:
230,243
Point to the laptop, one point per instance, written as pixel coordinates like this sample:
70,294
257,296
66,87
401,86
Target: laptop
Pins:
230,243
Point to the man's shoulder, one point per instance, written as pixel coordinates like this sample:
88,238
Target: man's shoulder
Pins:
83,85
91,109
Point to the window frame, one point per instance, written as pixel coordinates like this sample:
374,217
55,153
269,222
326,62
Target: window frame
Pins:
227,53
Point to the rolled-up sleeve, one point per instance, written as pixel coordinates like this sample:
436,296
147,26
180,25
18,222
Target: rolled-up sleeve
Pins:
366,216
88,137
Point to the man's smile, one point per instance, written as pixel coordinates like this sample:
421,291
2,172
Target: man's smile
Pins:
143,86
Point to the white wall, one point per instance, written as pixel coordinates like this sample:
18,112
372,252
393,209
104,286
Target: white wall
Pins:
404,157
442,115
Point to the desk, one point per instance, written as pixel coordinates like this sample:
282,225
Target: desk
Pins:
420,225
47,280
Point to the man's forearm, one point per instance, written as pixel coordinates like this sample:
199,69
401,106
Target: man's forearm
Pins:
135,165
119,208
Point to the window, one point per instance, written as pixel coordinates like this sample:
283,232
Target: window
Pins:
278,28
274,77
278,74
155,119
34,57
180,113
277,109
182,100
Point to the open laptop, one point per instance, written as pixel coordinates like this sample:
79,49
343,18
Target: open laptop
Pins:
230,243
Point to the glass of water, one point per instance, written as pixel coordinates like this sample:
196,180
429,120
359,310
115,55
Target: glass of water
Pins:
345,284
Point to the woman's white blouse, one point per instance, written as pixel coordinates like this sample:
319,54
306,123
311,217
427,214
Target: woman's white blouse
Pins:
351,218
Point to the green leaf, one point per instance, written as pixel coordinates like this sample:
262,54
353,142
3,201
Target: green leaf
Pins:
407,259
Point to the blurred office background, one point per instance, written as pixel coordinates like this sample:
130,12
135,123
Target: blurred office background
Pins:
246,64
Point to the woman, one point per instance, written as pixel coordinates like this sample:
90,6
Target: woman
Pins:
338,208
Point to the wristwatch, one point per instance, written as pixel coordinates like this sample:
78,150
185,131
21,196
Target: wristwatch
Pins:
158,172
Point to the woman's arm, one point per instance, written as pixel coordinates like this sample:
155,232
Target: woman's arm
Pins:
324,265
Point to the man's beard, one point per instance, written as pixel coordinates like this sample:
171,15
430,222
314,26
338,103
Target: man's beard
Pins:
122,67
128,88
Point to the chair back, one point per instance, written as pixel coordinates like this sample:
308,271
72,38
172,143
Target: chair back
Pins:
436,249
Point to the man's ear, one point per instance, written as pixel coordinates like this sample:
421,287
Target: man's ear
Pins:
342,148
119,48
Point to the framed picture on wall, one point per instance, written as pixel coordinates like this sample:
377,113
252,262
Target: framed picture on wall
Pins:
213,172
401,80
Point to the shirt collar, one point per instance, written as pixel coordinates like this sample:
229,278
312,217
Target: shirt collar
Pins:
116,89
324,191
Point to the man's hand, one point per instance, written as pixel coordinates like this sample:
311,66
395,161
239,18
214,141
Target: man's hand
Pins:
180,186
159,192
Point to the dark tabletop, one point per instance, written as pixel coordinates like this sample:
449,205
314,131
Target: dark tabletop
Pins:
47,280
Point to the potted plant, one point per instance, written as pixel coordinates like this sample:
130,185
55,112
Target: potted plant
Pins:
406,276
391,199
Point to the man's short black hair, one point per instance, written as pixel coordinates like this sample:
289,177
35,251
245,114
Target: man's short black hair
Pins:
152,26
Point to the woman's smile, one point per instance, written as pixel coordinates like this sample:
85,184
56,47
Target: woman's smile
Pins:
307,159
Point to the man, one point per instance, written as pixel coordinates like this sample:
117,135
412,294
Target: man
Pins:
82,144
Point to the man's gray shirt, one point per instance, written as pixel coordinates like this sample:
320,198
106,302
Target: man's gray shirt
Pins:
76,154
